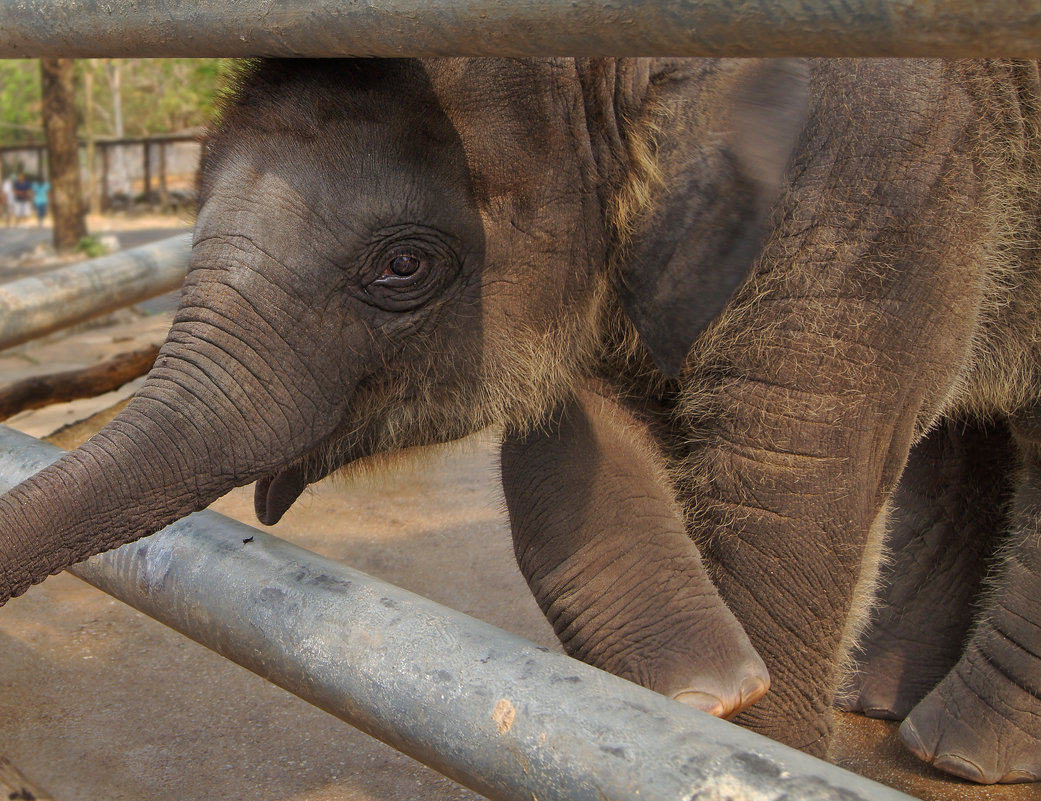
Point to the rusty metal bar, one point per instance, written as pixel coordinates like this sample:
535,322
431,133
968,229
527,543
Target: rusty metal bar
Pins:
496,713
40,304
151,28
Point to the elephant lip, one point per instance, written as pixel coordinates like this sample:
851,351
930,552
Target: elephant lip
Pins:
275,493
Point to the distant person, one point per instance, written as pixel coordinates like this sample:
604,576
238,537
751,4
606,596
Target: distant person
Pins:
41,191
7,200
23,198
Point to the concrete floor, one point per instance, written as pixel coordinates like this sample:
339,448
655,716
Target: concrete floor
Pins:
98,701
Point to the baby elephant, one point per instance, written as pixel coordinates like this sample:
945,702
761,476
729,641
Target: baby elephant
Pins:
709,302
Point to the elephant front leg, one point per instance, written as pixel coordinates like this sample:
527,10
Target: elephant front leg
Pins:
601,541
983,721
944,521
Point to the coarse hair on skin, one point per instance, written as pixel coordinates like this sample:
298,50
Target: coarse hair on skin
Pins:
876,556
521,376
511,378
643,181
1002,368
1004,372
525,373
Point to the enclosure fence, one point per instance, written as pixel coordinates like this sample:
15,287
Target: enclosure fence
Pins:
495,712
155,171
151,28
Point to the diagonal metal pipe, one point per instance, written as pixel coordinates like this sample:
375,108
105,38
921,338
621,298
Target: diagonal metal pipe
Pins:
496,713
152,28
35,306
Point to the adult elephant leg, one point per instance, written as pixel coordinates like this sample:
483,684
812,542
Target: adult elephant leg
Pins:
946,516
793,456
983,721
804,398
785,528
601,540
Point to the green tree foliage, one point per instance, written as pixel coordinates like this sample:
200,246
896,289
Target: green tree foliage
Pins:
20,104
159,95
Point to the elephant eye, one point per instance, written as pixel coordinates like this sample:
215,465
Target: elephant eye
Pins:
402,268
403,265
408,266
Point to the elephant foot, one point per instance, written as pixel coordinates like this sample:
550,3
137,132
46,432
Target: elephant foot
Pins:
695,653
892,676
979,725
983,721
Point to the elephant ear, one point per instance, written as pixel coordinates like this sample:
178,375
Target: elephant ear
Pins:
722,157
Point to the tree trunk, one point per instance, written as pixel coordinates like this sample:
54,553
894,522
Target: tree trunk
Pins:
59,123
94,199
122,177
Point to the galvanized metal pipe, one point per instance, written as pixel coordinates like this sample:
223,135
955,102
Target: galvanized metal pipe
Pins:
40,304
150,28
492,711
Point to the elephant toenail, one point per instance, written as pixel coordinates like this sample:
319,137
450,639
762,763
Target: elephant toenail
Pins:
879,713
1019,777
961,767
703,701
913,740
752,689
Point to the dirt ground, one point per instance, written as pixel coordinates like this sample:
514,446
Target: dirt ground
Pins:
98,701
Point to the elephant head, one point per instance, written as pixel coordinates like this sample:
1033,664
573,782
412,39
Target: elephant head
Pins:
392,253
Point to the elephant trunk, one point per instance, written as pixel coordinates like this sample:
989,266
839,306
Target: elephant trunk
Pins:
201,425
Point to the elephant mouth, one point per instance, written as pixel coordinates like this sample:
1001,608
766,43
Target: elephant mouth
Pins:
352,441
275,493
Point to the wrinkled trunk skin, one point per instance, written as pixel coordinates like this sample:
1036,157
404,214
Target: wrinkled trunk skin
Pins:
83,504
196,429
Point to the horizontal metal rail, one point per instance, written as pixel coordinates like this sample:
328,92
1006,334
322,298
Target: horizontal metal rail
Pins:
495,712
32,307
152,28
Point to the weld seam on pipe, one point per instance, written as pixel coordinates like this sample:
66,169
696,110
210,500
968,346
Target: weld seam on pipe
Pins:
41,304
496,713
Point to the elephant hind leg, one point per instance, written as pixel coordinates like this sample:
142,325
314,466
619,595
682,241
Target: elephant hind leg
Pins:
945,519
602,543
983,721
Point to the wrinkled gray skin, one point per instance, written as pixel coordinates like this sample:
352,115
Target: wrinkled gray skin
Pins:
395,253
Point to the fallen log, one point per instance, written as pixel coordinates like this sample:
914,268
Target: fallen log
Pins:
40,391
72,435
